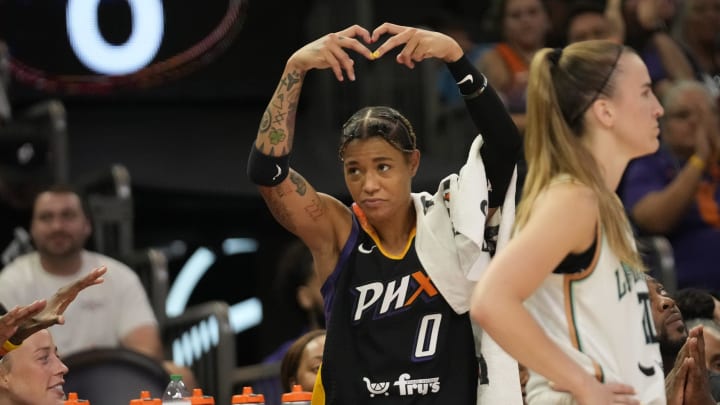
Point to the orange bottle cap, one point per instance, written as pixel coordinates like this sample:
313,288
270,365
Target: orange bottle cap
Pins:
239,399
199,399
297,395
248,397
145,399
72,399
256,399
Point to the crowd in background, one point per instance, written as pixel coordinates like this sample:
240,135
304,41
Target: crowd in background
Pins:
674,192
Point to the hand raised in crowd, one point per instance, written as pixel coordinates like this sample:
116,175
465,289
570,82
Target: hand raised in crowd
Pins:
418,44
675,381
52,313
687,382
329,52
12,319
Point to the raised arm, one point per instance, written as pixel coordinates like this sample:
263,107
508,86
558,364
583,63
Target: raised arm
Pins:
502,144
321,221
22,321
52,313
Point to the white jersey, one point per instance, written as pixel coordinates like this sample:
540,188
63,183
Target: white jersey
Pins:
601,317
100,316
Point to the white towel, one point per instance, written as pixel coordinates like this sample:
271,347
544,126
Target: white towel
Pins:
452,247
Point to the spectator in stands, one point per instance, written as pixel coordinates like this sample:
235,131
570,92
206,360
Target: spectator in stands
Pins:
590,20
697,30
674,192
687,381
696,303
22,321
33,373
646,30
302,361
116,313
522,25
669,325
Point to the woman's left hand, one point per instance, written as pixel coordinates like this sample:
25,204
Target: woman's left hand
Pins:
419,44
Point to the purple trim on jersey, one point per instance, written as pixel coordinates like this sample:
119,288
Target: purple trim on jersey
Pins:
328,288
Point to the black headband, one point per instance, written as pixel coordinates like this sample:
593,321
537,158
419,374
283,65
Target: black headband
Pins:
577,116
555,56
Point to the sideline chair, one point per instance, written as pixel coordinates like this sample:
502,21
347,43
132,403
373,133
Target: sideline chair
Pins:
113,376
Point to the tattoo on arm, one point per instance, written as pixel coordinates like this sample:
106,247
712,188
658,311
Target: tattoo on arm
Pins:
265,122
290,80
299,182
278,122
283,189
276,136
279,100
315,209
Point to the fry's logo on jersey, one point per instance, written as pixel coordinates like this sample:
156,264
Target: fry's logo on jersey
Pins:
396,295
406,386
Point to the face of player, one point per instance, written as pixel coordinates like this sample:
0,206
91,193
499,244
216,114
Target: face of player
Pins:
636,109
379,177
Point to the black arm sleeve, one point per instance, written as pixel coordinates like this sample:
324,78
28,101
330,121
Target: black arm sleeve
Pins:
502,144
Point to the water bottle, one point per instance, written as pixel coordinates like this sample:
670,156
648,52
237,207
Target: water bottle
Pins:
297,396
176,393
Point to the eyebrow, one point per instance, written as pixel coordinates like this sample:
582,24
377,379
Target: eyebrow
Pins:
382,158
375,160
43,350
